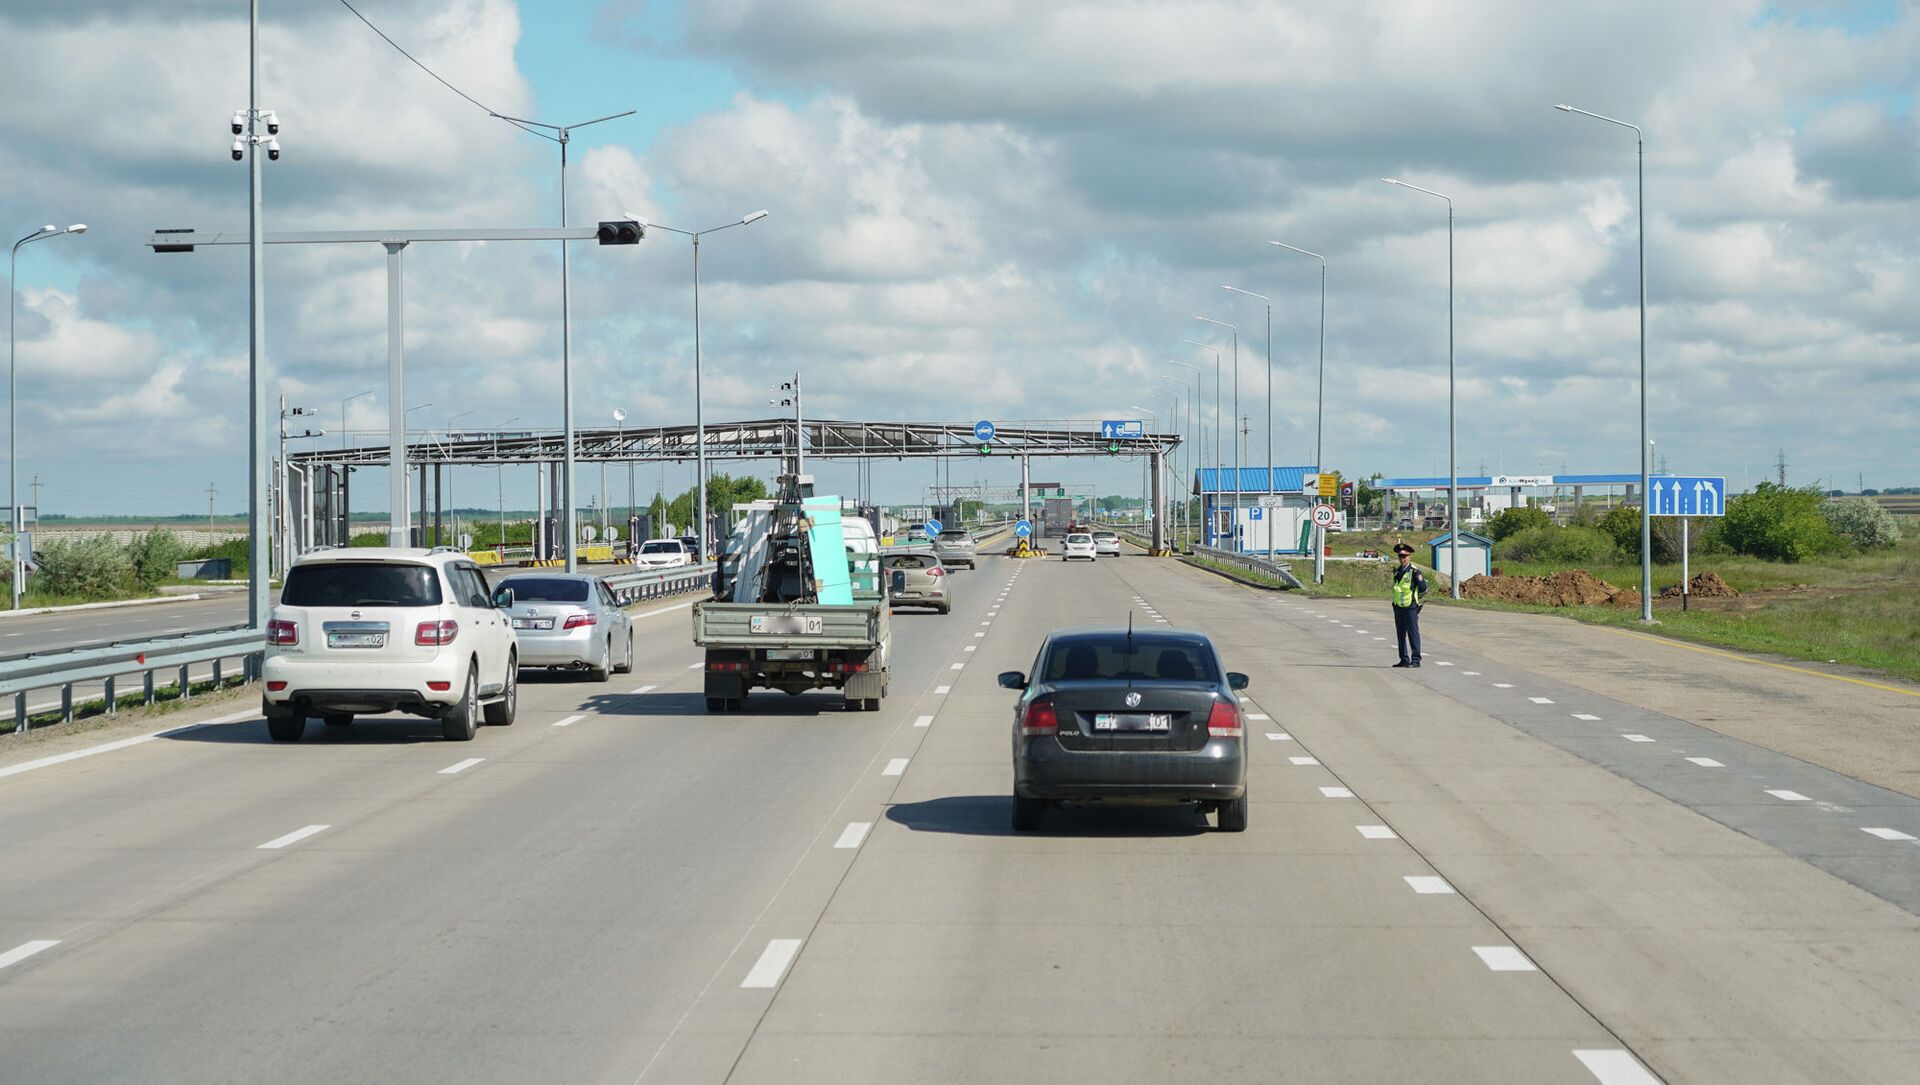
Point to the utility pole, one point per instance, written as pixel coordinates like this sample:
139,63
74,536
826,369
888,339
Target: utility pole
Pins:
211,494
1782,464
36,496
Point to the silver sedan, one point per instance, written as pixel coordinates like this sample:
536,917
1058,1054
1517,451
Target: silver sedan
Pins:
571,621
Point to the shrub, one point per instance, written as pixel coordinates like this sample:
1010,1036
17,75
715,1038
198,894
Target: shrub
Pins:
155,556
1779,523
1509,522
234,550
1863,523
91,568
1622,525
1560,545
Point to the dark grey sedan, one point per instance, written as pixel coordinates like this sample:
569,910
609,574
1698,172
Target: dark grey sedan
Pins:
1115,714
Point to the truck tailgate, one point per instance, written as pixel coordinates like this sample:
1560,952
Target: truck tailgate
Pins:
785,625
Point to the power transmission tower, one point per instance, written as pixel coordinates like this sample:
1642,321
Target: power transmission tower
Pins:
211,492
1782,465
36,496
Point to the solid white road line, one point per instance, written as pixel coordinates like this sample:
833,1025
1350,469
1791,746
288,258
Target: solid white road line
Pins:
1612,1066
853,834
1541,700
895,766
1505,959
1588,716
1279,736
773,963
1336,793
461,766
696,666
26,949
1787,796
646,689
1888,834
293,837
1428,884
1258,716
568,721
1503,685
1376,832
1636,738
942,691
1304,760
923,721
1706,762
121,744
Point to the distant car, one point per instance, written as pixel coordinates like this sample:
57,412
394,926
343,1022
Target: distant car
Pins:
956,547
1106,542
569,620
918,580
1079,544
915,530
365,631
663,554
1129,716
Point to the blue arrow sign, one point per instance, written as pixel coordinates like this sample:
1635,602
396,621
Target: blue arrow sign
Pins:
1122,429
1023,529
933,529
1687,495
983,430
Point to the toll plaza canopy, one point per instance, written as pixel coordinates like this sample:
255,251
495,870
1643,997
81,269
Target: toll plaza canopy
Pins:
1503,482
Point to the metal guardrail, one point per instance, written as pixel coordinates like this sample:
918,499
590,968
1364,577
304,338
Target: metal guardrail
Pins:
109,663
1252,563
655,583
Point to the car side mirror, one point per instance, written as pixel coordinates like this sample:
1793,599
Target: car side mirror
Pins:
1012,680
503,598
1236,680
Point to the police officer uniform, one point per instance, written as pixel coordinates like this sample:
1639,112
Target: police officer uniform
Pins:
1409,592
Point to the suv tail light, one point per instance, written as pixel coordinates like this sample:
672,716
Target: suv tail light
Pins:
279,632
1224,721
1040,719
436,632
575,621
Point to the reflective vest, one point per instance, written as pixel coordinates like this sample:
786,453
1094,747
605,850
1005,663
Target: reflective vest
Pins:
1405,593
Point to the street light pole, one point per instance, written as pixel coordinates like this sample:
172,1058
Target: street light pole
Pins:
1453,447
1219,460
13,397
1320,407
1269,467
1233,524
500,482
1646,447
699,406
1186,446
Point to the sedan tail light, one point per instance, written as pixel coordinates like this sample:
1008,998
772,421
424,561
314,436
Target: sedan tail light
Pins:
279,632
431,633
1224,721
1040,719
936,571
575,621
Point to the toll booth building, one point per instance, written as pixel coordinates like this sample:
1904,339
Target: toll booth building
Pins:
1247,518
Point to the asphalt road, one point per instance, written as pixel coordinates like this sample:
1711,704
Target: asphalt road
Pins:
1445,879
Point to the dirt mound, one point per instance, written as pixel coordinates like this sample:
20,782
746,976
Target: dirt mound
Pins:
1703,586
1573,587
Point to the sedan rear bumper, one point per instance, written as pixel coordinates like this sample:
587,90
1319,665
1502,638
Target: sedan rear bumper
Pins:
540,648
1043,769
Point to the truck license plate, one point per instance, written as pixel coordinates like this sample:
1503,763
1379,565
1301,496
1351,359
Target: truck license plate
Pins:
777,624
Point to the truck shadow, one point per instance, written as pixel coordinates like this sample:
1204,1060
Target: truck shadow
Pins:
759,706
991,815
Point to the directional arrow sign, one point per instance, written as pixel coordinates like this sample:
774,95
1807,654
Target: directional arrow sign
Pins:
1023,529
933,529
1687,495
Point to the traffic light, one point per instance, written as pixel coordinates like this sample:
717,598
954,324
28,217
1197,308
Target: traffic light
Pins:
1113,448
621,232
986,449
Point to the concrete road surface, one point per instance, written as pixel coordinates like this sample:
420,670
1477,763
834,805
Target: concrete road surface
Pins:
1471,872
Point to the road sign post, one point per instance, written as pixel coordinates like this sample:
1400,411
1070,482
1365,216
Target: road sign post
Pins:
1323,515
1686,496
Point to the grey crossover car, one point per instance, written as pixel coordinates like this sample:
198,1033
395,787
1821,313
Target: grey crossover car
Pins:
918,580
956,547
1125,715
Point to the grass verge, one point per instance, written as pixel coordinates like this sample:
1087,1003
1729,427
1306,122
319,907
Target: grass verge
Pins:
166,700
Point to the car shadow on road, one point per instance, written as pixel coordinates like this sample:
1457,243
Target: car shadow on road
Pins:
991,815
761,705
377,731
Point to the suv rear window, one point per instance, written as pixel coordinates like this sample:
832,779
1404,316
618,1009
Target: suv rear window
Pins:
1120,658
361,584
954,533
546,589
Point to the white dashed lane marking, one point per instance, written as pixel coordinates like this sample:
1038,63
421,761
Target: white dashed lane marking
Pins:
942,691
1428,884
1786,796
1258,716
1336,793
853,834
1888,834
1304,760
1612,1066
1588,716
773,963
695,666
1636,738
923,721
1706,762
568,721
1377,832
1279,736
646,689
1541,700
1503,685
293,837
26,949
1505,959
461,766
895,767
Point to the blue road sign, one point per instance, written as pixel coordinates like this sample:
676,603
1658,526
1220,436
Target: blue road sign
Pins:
983,430
1122,429
1253,513
933,529
1688,495
1023,529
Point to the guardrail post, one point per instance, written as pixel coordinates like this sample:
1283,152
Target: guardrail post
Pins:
216,674
146,687
66,703
112,697
186,687
20,712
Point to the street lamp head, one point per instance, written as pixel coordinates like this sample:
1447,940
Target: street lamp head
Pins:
754,217
1390,180
1564,108
49,228
77,228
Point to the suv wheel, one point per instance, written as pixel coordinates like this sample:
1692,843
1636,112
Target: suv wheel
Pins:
501,712
626,665
284,724
460,723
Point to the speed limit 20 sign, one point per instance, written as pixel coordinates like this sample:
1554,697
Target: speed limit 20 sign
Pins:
1323,515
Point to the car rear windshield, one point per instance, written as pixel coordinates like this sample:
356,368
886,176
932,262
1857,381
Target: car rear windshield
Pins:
1079,538
953,534
1105,535
546,589
670,546
361,584
1120,658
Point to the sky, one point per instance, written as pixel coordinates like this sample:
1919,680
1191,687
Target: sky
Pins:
994,210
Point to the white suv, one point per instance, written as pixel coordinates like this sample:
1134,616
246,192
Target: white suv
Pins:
663,554
368,630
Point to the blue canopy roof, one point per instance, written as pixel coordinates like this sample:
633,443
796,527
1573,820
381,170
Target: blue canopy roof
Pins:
1466,537
1253,480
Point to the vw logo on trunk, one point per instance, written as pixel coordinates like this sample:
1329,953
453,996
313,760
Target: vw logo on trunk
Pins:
1133,699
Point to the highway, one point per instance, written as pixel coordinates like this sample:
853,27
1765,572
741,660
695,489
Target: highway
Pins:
1553,854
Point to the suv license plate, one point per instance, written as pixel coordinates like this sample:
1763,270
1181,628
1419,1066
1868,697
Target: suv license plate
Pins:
802,624
1133,721
356,640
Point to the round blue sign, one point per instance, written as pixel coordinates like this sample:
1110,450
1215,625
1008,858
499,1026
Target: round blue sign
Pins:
1023,529
983,430
933,529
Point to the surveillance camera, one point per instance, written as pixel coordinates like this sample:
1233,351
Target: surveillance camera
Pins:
273,122
273,149
239,122
239,150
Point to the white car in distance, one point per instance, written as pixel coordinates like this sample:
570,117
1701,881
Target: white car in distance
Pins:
1079,544
663,554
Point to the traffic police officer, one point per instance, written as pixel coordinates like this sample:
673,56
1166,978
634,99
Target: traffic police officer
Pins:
1409,590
